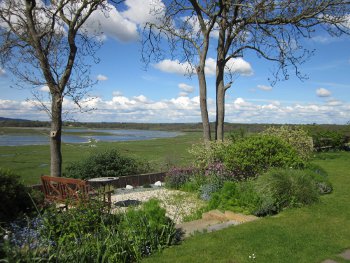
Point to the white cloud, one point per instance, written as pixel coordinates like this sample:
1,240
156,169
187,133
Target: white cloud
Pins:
174,66
210,66
2,72
101,77
334,102
186,109
117,93
264,87
141,98
186,88
183,94
45,89
143,11
240,66
322,92
112,24
234,65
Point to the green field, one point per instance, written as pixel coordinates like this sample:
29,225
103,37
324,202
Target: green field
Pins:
32,161
308,234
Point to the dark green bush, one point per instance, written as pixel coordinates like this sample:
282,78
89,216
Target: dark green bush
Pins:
14,197
281,188
253,155
109,163
235,196
329,140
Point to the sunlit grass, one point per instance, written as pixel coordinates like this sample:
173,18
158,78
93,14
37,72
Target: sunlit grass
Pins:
309,234
32,161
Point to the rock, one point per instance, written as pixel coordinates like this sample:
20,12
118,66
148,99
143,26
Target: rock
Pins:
129,187
214,214
240,217
158,183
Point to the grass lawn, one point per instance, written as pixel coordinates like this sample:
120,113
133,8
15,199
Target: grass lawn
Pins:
32,161
309,234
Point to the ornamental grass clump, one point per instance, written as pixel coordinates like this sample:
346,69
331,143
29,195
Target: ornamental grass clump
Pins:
282,188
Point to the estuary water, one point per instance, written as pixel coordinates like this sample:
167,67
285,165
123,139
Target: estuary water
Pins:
109,136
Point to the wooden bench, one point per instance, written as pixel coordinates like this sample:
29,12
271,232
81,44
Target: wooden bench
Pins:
69,190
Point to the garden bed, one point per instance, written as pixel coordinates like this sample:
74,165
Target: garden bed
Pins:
178,204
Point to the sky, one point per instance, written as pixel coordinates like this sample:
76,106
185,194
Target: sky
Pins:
128,91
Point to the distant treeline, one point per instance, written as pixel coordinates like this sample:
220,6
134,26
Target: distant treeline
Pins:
186,127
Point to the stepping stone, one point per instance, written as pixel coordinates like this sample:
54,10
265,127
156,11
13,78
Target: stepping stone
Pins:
240,217
199,225
345,255
222,225
214,214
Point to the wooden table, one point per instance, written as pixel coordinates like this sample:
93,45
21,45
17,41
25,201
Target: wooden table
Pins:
106,183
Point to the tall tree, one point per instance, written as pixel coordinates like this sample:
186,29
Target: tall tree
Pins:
186,25
44,43
274,30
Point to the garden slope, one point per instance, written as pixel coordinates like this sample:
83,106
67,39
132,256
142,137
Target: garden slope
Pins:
309,234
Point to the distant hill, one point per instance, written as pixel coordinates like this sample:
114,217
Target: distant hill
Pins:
12,122
10,119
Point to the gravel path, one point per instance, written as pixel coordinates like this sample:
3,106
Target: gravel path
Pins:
178,204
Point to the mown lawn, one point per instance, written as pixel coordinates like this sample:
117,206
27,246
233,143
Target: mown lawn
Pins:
32,161
309,234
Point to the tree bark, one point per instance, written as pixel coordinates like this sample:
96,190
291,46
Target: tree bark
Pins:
220,107
220,86
55,135
203,102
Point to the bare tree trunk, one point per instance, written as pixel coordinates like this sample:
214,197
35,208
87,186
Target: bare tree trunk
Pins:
220,86
55,136
203,103
220,107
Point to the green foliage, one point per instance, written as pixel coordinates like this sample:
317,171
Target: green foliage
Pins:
85,234
297,137
253,155
208,153
238,197
74,223
109,163
281,188
329,140
14,197
177,177
320,177
237,134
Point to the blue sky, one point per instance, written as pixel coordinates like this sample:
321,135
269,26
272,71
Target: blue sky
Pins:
126,92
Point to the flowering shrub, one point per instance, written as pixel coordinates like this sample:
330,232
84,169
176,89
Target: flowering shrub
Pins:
208,153
296,137
177,177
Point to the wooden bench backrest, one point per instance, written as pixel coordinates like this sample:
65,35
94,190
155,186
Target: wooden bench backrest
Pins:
63,189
